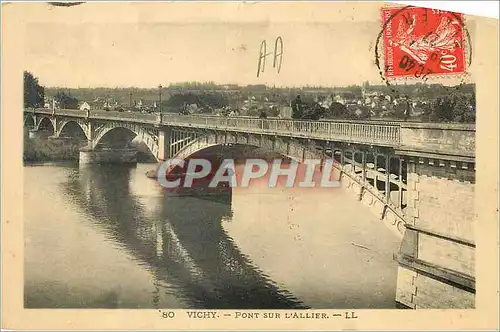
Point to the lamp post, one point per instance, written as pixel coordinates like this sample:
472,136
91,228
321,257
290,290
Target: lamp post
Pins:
159,97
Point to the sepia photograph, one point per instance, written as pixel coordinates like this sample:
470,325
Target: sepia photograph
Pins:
209,156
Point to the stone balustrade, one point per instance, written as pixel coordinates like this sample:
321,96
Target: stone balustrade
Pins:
433,140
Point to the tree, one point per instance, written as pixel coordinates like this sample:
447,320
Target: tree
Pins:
456,108
337,111
273,111
427,112
401,110
34,93
363,112
205,101
66,101
463,109
313,111
473,100
443,110
297,108
473,104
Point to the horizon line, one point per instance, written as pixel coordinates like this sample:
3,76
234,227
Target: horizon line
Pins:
221,85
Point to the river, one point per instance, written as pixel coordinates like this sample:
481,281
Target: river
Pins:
109,237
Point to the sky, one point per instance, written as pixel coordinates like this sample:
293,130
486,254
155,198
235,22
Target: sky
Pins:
146,55
86,48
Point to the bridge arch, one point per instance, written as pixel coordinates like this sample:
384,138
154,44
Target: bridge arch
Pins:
128,131
66,125
29,121
46,123
368,184
290,148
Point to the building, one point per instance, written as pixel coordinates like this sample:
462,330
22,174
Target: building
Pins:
84,106
110,104
340,99
327,102
138,104
286,112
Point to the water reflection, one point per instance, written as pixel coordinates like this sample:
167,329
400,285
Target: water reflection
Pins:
109,237
179,239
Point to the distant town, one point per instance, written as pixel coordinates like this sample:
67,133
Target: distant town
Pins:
412,102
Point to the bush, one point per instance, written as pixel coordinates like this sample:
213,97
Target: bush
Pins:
37,150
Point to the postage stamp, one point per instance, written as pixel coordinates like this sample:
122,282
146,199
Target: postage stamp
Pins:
421,42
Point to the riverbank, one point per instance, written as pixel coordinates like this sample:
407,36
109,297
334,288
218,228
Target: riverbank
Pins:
43,150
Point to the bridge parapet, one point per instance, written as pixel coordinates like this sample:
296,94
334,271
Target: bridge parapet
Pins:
366,133
456,142
126,117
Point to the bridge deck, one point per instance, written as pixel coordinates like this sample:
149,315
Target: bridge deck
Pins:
384,134
455,140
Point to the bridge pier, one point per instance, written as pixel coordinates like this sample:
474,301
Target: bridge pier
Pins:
90,135
164,144
34,133
107,156
437,255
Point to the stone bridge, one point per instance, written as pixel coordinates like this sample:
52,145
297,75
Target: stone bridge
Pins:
418,178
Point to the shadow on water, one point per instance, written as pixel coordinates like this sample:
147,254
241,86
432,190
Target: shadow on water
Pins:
183,244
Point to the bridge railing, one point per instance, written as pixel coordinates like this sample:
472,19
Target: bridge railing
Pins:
38,110
387,134
75,113
123,116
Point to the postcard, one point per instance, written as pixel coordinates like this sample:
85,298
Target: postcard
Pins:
270,165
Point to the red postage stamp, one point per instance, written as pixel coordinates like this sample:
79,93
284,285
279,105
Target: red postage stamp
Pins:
420,42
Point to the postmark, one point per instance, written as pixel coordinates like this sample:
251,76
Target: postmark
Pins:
421,43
